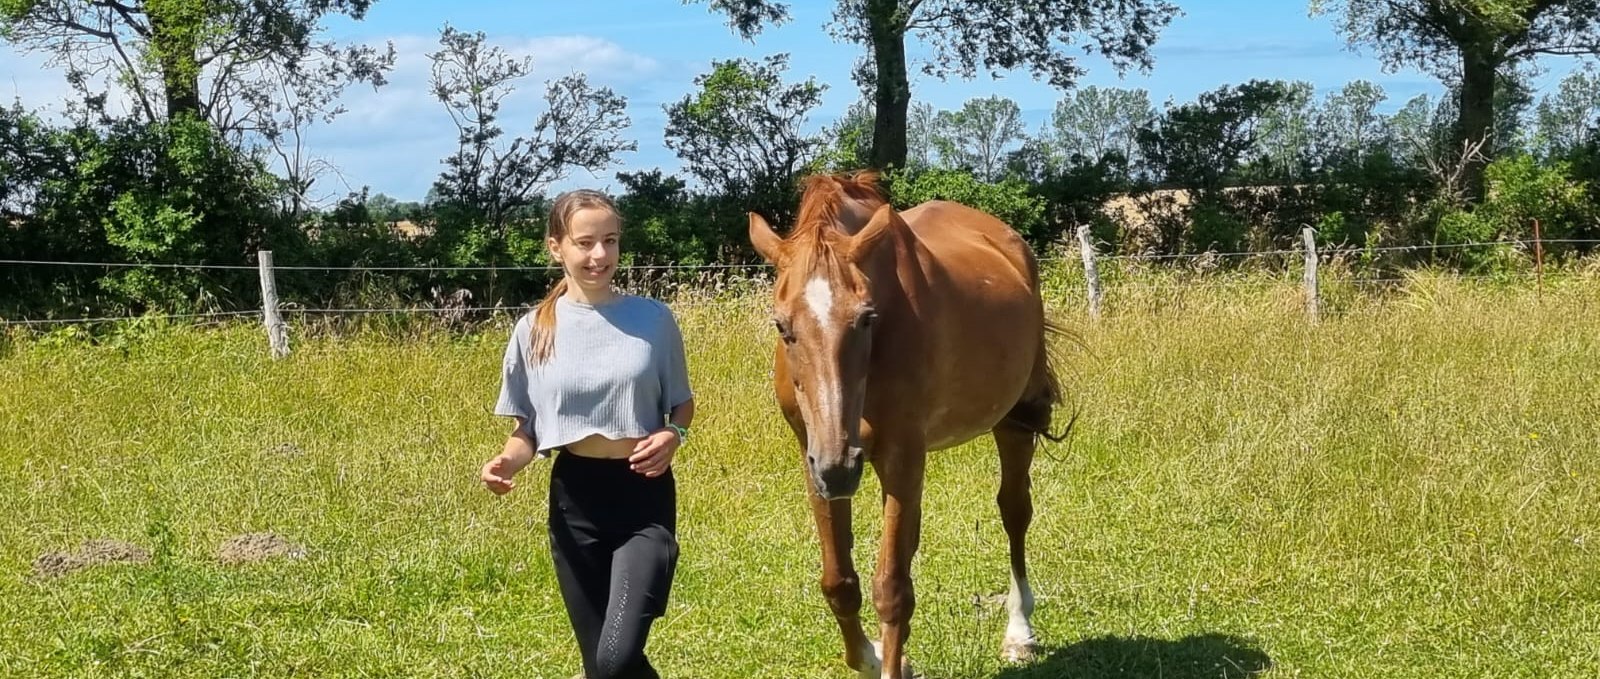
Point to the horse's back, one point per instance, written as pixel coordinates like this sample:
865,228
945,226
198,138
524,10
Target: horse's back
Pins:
972,244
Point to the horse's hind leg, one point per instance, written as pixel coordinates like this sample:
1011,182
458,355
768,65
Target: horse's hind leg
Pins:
1016,441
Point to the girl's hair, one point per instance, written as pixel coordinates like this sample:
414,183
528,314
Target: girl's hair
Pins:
544,316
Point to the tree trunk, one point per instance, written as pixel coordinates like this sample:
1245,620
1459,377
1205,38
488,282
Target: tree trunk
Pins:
174,37
893,97
1476,120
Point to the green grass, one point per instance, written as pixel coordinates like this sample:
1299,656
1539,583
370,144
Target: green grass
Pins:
1408,489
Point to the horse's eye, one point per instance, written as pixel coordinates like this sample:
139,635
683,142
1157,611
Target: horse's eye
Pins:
783,330
866,318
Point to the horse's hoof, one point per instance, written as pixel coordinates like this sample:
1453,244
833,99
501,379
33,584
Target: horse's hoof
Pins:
1018,650
906,672
872,664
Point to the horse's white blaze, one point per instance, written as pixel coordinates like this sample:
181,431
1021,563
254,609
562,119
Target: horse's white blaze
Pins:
1019,607
819,297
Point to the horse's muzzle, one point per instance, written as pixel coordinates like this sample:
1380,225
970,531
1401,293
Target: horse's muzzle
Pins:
837,479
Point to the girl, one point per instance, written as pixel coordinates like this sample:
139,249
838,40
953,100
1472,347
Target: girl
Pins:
599,377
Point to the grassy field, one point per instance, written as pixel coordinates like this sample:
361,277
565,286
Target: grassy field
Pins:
1410,488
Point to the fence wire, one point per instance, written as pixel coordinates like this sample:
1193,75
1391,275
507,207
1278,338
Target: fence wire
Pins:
624,270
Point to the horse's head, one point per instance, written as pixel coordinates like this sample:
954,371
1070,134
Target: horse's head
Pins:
825,313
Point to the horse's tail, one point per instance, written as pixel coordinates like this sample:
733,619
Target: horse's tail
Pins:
1053,393
1034,412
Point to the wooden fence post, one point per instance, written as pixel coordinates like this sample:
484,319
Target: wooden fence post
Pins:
1309,238
277,331
1538,256
1091,271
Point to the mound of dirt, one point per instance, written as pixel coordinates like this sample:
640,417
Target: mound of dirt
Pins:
254,547
90,553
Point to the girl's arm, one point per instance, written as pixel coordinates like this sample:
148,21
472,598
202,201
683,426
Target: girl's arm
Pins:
517,453
683,415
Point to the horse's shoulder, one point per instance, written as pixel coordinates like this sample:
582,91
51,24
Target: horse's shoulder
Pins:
937,216
935,207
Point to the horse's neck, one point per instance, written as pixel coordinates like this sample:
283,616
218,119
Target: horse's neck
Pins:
893,270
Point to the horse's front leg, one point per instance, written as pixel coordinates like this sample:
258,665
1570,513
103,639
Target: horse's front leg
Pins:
901,474
840,584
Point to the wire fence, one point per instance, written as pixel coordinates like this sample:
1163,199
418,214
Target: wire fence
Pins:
1152,257
1058,259
422,269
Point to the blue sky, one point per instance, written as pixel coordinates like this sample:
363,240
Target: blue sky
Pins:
651,50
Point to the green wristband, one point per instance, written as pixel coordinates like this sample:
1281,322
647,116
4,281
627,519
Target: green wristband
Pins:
683,434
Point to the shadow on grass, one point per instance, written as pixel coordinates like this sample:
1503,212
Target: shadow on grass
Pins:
1207,656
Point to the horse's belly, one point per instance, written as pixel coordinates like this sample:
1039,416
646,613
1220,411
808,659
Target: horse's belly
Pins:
984,392
953,438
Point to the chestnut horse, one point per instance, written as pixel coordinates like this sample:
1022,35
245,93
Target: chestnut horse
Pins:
902,333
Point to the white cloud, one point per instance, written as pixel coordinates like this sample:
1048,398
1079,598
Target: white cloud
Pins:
603,60
606,64
392,139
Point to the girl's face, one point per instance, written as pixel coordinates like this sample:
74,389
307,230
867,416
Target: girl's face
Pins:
588,252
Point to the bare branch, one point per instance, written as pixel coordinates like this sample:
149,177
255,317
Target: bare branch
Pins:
1556,50
127,13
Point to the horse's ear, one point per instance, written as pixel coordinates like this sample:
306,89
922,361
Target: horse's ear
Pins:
882,223
767,242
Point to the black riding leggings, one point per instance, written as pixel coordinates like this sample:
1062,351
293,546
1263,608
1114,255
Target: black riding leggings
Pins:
613,535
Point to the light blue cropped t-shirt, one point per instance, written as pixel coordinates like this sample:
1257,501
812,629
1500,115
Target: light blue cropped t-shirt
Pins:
617,369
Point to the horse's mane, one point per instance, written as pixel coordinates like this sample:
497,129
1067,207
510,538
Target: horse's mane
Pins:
814,239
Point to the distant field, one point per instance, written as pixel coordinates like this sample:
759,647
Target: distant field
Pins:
1410,488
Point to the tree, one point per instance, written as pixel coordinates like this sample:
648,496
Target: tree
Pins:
1421,127
1008,200
969,35
849,139
251,68
1350,123
854,132
1420,135
281,101
662,227
920,144
978,136
386,209
1199,145
1568,119
488,182
1469,42
202,58
132,191
1284,143
1202,146
743,132
1093,122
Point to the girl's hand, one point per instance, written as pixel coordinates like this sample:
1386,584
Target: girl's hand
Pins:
652,455
496,477
518,452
